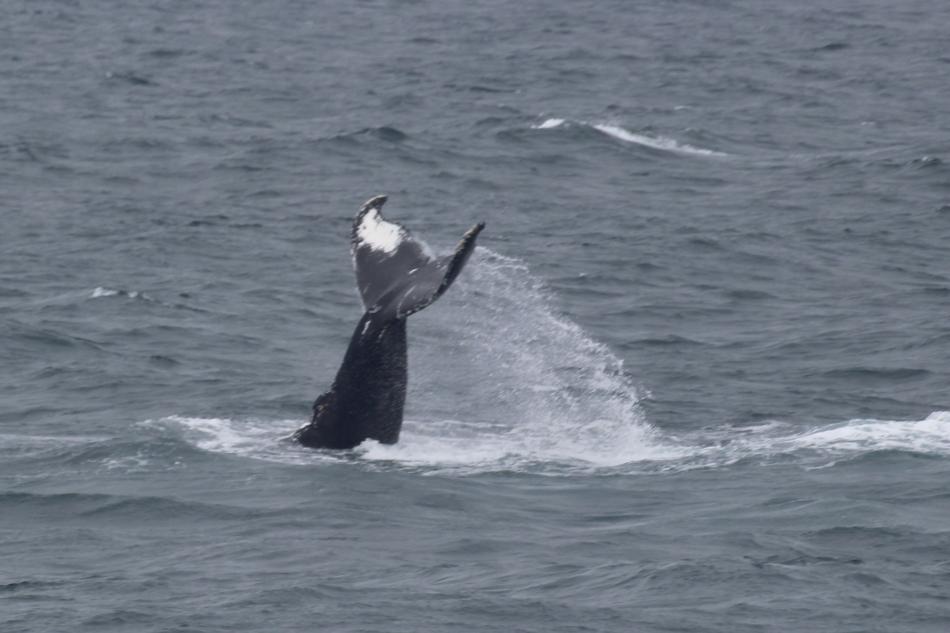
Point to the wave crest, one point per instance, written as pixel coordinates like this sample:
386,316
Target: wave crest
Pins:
619,133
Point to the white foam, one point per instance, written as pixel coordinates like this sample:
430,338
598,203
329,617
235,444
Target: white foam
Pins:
223,435
265,440
379,234
818,445
100,292
928,436
548,124
459,447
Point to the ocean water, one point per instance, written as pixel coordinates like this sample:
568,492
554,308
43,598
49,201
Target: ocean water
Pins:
694,379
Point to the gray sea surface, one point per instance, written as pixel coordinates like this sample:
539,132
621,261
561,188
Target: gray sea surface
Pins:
694,379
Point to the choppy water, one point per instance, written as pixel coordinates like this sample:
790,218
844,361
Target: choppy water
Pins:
694,379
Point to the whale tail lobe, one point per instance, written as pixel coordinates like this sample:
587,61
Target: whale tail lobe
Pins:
397,275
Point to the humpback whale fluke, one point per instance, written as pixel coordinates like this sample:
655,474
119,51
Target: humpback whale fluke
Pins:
396,276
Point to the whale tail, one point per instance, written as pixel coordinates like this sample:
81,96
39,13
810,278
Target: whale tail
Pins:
397,275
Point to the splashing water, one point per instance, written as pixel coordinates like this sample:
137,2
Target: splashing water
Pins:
500,381
519,384
497,381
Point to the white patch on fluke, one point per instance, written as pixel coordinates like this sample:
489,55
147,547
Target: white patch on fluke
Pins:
378,234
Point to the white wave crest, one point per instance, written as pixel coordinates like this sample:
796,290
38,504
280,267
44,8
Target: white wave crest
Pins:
100,292
622,134
820,445
658,142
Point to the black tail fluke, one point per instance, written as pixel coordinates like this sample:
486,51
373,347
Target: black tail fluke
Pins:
397,276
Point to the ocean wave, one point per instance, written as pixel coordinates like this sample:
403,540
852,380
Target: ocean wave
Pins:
617,132
383,133
22,446
144,507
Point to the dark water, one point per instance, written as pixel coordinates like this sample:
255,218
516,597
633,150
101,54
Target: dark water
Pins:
695,379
